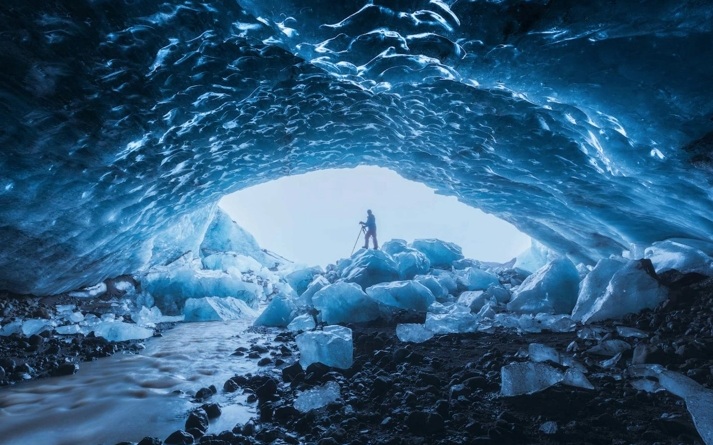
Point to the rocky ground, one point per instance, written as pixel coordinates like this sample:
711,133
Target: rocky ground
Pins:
447,389
47,354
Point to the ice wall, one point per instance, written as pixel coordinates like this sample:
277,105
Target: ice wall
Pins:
586,125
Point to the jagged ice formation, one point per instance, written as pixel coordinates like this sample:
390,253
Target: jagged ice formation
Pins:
586,125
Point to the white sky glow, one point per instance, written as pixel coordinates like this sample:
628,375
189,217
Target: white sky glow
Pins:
313,218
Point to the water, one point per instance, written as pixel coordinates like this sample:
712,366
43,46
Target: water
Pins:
128,397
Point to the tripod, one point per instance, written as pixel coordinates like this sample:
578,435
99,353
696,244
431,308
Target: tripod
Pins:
361,230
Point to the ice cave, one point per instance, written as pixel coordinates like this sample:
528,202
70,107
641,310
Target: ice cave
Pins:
134,310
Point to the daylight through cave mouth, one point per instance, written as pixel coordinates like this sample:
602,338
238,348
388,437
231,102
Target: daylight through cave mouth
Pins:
312,218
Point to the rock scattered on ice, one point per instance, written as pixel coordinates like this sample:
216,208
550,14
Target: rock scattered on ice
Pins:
331,346
317,397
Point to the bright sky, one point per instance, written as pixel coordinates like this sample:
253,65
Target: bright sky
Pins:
313,218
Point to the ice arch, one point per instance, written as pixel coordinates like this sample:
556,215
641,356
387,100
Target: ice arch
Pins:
586,126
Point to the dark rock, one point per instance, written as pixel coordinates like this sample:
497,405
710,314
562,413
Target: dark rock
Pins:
195,432
266,412
423,423
150,441
230,386
66,369
212,409
289,373
179,438
204,393
198,419
264,361
380,386
285,413
315,372
267,390
35,340
328,441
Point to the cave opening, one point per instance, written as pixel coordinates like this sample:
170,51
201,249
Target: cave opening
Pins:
313,218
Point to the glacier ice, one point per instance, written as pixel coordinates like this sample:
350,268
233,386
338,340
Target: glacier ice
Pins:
437,289
301,279
475,300
473,278
551,289
682,255
408,294
632,288
343,302
411,263
331,346
456,319
304,322
120,331
595,285
413,332
369,267
534,258
318,397
278,313
394,246
36,325
225,235
317,283
216,309
527,378
440,253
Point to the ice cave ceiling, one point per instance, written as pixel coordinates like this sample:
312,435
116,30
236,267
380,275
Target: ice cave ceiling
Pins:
586,124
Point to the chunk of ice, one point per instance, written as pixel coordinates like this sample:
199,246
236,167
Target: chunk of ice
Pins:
609,348
317,283
345,303
119,331
439,253
304,322
626,332
646,385
36,325
474,300
411,263
542,353
437,289
331,346
447,279
595,285
683,255
11,328
403,295
413,332
214,309
68,329
527,378
454,321
317,397
552,289
300,280
394,246
631,289
473,278
279,313
89,292
575,377
369,267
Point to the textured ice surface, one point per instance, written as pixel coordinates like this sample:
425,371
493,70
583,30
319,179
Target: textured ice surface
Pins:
542,353
402,295
610,348
551,289
225,235
411,263
473,278
595,285
344,303
624,331
278,313
369,267
458,319
439,253
475,300
447,279
413,332
682,255
119,331
36,325
631,289
317,283
331,346
527,378
216,309
699,399
172,285
437,289
534,258
300,279
304,322
117,142
318,397
11,328
394,246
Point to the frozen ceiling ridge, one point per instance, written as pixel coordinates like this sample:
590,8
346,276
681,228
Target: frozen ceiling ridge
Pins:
587,126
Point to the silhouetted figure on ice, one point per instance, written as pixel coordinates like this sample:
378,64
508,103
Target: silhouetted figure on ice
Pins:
370,226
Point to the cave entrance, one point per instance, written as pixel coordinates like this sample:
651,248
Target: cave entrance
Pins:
313,218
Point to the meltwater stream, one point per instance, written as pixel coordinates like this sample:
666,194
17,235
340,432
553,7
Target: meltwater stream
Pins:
129,396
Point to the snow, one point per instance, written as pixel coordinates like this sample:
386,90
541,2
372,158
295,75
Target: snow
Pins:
408,294
216,309
344,303
331,346
551,289
318,397
441,254
630,289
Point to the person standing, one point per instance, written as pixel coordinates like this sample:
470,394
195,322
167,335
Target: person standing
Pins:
370,226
